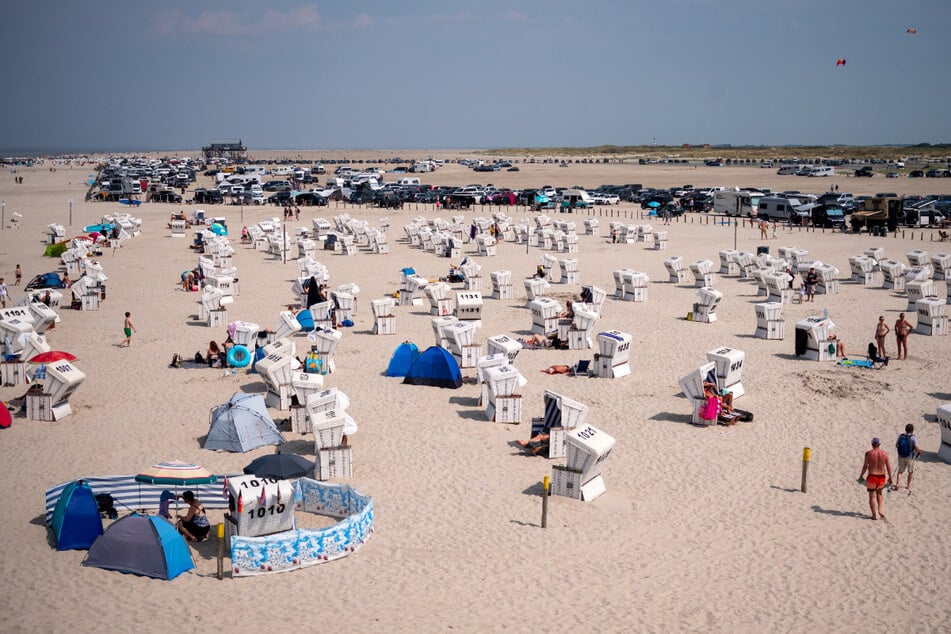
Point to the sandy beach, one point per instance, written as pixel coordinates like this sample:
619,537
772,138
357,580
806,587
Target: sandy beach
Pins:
701,528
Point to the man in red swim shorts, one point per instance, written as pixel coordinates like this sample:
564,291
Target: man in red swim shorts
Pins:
876,464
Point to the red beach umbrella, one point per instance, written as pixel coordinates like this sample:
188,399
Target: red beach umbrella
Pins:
52,357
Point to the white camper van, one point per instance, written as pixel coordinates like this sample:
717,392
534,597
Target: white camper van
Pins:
821,170
736,203
789,169
779,208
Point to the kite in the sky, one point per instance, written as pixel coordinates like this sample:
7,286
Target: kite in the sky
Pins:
840,61
912,31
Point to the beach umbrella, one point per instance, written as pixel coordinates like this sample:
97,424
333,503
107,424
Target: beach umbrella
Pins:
176,473
282,466
52,357
219,229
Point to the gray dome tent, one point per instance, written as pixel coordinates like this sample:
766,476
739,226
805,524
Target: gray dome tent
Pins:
242,424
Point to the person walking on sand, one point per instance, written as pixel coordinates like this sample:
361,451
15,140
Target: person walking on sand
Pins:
127,328
876,464
908,451
902,330
881,331
763,227
17,276
3,294
812,280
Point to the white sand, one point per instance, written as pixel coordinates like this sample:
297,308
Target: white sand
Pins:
700,529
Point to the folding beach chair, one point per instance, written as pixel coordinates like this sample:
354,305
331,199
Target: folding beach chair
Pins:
877,361
582,368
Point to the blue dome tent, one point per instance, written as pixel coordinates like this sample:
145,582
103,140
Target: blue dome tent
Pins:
435,367
145,545
403,359
76,522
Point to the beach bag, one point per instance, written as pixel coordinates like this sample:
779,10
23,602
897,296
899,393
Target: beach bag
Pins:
176,360
904,446
743,416
199,358
107,505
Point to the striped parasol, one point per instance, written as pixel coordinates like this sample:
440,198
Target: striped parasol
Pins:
176,473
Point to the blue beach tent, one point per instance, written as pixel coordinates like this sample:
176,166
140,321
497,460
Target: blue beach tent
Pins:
145,545
403,359
435,367
76,522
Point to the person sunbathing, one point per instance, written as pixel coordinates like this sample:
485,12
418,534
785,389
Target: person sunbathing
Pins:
537,341
839,345
540,437
725,413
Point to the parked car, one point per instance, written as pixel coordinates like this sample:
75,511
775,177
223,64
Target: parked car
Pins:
208,197
864,171
248,198
603,198
916,174
504,197
389,200
165,197
280,198
672,209
309,199
829,216
660,197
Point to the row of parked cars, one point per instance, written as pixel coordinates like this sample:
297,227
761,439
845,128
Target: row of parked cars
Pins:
156,179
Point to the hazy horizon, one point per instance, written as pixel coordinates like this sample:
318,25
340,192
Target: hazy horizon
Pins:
52,152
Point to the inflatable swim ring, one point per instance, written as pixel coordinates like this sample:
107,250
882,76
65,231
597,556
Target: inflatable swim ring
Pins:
239,356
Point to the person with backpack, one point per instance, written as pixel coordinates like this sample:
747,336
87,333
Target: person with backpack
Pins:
908,451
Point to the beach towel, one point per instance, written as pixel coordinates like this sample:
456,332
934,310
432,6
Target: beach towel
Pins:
858,363
710,409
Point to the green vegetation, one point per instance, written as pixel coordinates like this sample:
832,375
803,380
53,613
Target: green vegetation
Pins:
923,151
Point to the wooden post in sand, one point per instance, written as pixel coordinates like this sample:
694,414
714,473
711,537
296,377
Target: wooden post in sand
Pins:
806,455
221,550
546,485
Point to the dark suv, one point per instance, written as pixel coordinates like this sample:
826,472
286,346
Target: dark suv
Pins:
661,198
208,197
865,171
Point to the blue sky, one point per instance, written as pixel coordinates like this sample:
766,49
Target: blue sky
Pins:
108,74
